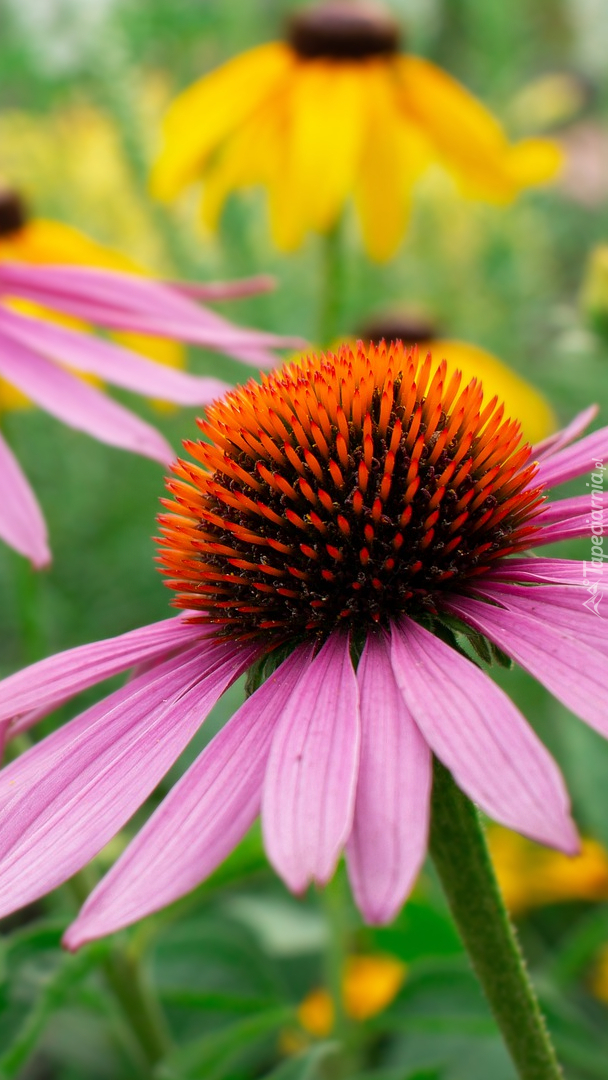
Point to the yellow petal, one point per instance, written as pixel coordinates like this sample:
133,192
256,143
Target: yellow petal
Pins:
380,197
468,140
250,156
535,161
206,113
522,401
286,187
370,984
326,142
316,1013
532,876
42,242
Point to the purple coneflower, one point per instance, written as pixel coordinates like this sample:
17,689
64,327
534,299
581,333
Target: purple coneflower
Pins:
346,527
43,360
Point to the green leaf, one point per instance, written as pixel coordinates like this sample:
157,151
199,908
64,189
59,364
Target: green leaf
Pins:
304,1066
55,990
212,1054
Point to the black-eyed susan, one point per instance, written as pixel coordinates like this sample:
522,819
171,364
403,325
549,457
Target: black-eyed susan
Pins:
332,111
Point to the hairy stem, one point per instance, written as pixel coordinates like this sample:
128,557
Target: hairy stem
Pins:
460,854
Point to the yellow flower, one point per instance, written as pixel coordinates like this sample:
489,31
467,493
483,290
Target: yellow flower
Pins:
520,398
369,985
37,241
336,111
531,876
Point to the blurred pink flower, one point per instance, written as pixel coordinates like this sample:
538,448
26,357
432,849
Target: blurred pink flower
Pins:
43,359
332,756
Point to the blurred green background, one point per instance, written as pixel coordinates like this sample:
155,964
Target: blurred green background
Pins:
82,88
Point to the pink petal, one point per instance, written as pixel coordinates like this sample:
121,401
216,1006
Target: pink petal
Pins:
390,828
113,363
562,605
481,737
571,529
56,679
76,789
224,290
568,571
553,443
202,819
77,404
309,790
563,509
568,667
132,302
22,525
573,461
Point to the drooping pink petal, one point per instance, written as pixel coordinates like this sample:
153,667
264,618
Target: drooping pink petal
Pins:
112,363
563,605
77,404
73,795
568,571
56,679
553,443
123,301
22,525
390,827
572,528
568,667
309,790
562,510
573,461
481,737
224,290
202,819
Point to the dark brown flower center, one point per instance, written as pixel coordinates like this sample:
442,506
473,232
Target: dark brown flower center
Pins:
410,327
343,30
344,490
13,215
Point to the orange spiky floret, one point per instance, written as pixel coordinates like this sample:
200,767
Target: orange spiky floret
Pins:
346,488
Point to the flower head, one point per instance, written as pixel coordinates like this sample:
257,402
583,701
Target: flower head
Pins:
333,111
44,351
355,529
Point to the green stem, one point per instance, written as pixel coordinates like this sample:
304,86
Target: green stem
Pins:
335,954
125,978
460,854
332,285
346,1062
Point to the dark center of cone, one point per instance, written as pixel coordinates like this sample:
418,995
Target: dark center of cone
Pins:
343,30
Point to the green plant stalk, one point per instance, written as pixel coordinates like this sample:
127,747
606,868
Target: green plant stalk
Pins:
343,1064
332,285
125,978
461,857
